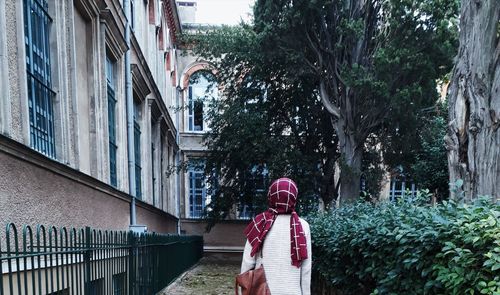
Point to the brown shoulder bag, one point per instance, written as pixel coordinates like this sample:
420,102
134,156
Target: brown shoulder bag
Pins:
252,282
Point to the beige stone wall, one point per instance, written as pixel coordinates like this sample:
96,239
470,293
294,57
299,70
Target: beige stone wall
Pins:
227,234
191,142
156,220
52,194
16,125
83,71
4,76
82,35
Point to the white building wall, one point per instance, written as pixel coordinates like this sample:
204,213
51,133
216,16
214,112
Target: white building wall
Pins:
81,37
84,69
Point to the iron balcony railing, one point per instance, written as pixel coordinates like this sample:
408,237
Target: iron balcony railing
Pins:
50,260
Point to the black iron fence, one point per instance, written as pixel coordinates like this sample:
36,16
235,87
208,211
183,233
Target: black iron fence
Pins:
60,261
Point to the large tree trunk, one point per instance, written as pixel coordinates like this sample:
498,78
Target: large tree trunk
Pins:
473,139
350,164
329,184
350,146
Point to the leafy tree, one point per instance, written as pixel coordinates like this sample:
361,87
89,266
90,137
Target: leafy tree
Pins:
419,152
373,169
430,170
376,62
270,123
311,81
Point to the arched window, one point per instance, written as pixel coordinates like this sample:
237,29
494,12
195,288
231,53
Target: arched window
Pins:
202,89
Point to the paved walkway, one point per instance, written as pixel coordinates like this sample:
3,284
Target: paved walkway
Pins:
210,276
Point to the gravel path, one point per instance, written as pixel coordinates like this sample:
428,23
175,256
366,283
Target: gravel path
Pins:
209,277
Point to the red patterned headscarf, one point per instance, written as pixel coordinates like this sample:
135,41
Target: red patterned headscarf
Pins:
282,197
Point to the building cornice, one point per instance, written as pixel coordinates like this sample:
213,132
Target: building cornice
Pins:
173,21
193,152
90,9
141,86
115,33
115,7
144,70
193,133
169,133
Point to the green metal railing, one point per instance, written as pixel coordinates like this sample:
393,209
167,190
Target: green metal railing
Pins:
50,260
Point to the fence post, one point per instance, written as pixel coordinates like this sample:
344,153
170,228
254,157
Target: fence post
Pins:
131,264
87,255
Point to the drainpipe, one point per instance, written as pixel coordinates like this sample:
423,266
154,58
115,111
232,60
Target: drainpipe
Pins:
130,116
178,157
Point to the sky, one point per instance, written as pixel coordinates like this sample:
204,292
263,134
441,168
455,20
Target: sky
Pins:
228,12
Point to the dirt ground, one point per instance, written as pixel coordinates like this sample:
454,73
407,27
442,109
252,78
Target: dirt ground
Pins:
212,276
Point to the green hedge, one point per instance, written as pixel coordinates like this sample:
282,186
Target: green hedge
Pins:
405,248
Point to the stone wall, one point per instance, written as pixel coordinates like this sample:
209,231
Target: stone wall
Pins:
227,235
37,190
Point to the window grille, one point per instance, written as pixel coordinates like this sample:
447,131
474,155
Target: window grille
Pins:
113,147
197,192
40,94
60,292
400,187
137,151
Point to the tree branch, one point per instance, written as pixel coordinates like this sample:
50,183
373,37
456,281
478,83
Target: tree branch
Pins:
327,103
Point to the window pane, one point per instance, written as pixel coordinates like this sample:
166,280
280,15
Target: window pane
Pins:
40,95
137,151
201,89
198,116
111,121
197,189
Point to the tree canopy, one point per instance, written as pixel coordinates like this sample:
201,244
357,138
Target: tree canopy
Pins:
309,82
271,123
377,63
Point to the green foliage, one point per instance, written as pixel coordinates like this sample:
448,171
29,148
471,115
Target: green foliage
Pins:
430,167
412,43
379,61
407,248
373,169
269,120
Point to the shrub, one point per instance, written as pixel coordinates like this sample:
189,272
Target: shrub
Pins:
407,248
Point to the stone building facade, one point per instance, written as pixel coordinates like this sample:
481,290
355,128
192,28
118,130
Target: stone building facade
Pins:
63,117
63,120
196,89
